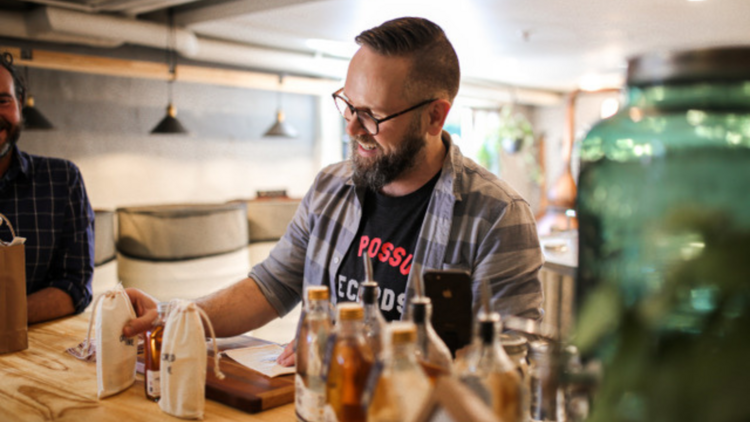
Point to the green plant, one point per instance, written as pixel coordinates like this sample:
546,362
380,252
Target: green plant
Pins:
514,130
514,134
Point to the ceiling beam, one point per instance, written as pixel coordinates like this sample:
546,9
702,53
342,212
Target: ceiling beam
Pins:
212,11
183,73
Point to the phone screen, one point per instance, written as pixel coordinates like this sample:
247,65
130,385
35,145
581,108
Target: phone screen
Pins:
452,314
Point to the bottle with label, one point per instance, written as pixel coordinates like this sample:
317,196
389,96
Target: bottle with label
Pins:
432,353
152,353
492,374
348,361
311,343
398,385
374,321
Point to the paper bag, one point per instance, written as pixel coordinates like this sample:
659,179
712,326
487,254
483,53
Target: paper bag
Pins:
13,314
183,361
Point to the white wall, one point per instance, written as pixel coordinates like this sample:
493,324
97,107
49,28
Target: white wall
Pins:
103,124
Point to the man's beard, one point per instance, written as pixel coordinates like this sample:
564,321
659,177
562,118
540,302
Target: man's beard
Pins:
12,133
379,171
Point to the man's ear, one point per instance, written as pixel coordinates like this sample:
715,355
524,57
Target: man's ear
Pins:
438,111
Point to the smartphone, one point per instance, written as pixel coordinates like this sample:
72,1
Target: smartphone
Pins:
452,297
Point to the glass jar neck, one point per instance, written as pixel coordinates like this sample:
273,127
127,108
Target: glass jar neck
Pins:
492,356
318,306
404,352
372,310
350,328
711,95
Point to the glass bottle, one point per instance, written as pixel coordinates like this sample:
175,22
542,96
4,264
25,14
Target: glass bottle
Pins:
349,360
432,353
402,387
374,321
517,346
311,343
664,229
492,374
152,353
542,386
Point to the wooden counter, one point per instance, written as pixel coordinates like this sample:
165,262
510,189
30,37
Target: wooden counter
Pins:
45,383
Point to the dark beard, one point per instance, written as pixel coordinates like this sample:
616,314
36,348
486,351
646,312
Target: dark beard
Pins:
13,132
375,174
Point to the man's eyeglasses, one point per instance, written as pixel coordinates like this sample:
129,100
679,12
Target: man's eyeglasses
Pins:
366,119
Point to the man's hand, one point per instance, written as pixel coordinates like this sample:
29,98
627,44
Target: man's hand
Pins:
145,309
286,358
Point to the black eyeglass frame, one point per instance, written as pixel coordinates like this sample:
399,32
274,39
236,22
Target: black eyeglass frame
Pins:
355,111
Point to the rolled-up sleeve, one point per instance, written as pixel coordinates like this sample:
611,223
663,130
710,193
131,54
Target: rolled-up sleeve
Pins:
280,276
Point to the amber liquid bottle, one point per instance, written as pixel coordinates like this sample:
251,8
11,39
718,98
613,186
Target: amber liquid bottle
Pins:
402,387
311,343
490,370
349,362
152,353
373,320
432,353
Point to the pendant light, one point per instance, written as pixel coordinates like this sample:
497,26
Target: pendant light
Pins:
33,119
280,128
169,125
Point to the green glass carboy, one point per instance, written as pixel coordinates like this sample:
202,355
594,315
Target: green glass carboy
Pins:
664,264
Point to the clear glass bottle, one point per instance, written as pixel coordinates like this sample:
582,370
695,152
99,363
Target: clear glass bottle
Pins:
544,390
311,343
152,353
664,229
432,352
374,321
517,346
349,360
491,373
402,387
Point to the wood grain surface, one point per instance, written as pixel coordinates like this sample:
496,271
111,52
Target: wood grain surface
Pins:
45,383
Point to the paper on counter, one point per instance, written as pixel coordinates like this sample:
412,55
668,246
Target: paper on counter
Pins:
261,359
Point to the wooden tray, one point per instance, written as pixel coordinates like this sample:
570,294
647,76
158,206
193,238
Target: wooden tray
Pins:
243,388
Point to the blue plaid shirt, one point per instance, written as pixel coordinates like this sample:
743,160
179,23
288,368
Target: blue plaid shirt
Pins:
46,201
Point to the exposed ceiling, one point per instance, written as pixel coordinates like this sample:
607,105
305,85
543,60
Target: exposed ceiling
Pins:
556,45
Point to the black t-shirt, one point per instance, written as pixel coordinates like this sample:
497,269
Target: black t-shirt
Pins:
388,232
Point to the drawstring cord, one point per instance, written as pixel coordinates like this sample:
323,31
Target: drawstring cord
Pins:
108,293
217,357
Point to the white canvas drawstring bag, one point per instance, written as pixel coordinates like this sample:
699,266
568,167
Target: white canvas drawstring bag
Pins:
115,354
183,361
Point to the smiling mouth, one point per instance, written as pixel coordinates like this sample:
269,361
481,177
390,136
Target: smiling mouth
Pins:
368,147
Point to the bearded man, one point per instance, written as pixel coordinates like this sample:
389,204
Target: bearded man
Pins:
406,196
45,200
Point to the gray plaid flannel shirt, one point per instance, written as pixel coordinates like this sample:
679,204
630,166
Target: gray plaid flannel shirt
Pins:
474,222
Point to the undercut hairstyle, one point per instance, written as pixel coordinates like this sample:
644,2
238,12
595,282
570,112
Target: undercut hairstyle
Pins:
6,61
434,72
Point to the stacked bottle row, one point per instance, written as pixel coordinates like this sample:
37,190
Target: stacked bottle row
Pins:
362,369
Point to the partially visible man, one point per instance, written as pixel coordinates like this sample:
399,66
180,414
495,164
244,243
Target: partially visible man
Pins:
407,196
46,201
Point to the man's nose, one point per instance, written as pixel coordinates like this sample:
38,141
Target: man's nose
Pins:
354,127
